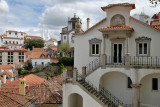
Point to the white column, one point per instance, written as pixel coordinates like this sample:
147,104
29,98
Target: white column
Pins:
136,95
104,51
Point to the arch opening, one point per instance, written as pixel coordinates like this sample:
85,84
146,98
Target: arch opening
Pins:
117,20
75,100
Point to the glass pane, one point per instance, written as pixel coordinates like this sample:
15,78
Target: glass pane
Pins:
97,48
115,53
154,83
140,48
145,48
93,49
120,52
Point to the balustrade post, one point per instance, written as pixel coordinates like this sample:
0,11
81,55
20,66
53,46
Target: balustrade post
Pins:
136,95
127,61
75,71
83,72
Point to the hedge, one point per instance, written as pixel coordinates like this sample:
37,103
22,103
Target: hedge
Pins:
66,61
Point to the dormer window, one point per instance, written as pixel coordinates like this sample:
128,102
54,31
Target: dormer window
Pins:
48,56
117,20
42,55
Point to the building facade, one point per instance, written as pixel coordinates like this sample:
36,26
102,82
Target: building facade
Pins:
13,39
116,63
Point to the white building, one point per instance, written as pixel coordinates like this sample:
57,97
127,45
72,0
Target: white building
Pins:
117,61
13,39
74,26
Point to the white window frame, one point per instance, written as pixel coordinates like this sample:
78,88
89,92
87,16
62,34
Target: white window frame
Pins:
95,49
143,48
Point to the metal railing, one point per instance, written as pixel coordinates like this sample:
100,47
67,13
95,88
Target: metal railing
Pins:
104,92
115,60
112,98
69,75
145,60
93,65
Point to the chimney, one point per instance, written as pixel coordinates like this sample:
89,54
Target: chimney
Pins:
0,83
22,89
88,23
4,78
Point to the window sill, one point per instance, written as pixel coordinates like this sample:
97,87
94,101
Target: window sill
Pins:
94,55
154,90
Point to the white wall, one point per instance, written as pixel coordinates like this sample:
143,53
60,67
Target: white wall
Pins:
69,89
149,96
39,61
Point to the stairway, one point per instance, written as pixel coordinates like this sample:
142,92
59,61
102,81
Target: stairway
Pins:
103,95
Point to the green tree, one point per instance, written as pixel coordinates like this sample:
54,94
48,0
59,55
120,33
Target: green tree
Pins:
155,2
30,43
28,65
65,48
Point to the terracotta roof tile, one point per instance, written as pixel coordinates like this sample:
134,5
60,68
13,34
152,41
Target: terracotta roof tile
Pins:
119,4
31,80
48,92
8,74
115,28
2,82
6,67
34,37
13,100
22,49
54,59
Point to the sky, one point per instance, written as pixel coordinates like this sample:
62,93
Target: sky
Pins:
36,16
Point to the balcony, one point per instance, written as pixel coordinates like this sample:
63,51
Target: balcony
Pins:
141,61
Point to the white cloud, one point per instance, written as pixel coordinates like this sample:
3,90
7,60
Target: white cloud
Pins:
4,6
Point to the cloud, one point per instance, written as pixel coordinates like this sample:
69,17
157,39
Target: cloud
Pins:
4,8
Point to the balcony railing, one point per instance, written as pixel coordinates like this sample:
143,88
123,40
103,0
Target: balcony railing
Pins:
153,61
115,60
145,61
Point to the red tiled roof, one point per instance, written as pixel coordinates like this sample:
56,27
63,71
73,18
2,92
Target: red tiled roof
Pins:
31,80
22,49
7,81
34,37
6,67
13,100
4,48
119,4
54,59
8,74
116,28
48,92
38,50
157,27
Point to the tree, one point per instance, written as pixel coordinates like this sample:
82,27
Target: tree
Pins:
155,2
28,65
65,48
30,43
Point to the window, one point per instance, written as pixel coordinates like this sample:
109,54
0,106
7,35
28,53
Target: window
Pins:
17,42
15,33
95,46
9,42
22,34
10,33
143,48
21,56
117,20
35,63
95,49
13,42
154,83
129,82
64,37
42,63
10,57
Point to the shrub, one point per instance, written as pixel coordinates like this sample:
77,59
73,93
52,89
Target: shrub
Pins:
66,61
19,70
28,65
25,72
38,68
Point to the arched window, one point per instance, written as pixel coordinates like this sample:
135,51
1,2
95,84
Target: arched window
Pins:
117,20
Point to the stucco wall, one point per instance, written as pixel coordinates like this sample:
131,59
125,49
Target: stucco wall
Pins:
69,89
39,61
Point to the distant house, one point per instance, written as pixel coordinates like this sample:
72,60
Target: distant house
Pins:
13,39
51,42
39,56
